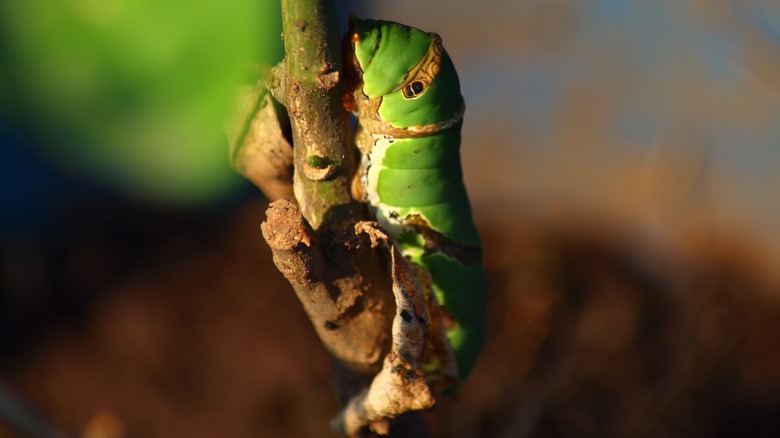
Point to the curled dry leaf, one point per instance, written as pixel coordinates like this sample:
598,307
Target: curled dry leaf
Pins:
259,149
402,385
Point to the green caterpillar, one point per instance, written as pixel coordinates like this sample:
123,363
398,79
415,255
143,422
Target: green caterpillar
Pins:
409,107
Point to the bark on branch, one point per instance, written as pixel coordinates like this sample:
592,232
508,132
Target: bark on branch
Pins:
361,295
324,156
343,291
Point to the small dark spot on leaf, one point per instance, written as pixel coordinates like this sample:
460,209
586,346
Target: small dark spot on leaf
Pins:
300,24
330,325
406,316
416,151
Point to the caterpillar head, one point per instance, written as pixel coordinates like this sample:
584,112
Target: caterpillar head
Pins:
402,72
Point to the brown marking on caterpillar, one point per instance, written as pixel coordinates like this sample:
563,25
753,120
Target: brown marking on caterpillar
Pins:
437,242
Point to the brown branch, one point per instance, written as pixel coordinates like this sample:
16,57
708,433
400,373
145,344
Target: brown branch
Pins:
350,330
344,294
345,291
375,324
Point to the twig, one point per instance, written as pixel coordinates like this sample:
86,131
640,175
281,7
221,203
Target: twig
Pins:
344,295
324,156
379,332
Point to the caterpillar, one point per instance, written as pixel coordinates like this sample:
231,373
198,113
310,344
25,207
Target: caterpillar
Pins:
405,93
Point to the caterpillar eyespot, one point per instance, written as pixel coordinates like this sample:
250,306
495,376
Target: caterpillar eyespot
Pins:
414,89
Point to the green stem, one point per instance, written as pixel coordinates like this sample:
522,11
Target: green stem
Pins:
324,157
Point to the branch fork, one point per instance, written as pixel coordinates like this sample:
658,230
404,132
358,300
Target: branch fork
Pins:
376,315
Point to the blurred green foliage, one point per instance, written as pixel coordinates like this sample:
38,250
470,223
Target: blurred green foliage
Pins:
132,94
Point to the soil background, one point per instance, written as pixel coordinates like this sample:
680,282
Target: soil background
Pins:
131,321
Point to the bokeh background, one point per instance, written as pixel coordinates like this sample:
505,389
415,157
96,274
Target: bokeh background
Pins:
623,159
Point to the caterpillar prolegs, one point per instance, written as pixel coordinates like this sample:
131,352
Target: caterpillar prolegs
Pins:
409,108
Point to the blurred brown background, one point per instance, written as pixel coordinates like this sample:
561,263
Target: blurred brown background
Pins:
623,163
